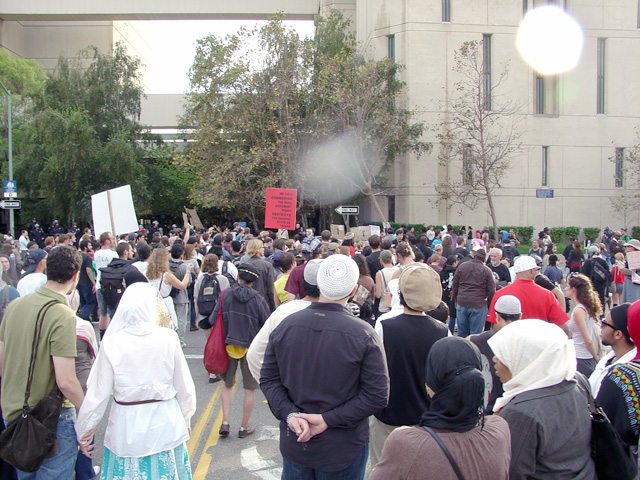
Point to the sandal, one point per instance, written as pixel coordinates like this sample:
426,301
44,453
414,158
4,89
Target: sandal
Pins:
224,429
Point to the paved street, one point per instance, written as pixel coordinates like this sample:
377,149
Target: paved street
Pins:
212,457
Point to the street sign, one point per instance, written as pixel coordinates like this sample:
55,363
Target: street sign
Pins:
10,189
10,204
348,210
544,193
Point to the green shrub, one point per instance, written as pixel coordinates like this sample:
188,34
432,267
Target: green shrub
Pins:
635,232
572,232
592,233
557,234
525,234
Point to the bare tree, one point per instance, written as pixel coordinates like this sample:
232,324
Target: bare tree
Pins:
479,136
626,205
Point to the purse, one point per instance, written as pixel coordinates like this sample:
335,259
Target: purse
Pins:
31,438
446,452
607,449
215,358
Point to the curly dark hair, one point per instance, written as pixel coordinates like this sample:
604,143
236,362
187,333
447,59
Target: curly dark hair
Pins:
62,263
361,261
586,294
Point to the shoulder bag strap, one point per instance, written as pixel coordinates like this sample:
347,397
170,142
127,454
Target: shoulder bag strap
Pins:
34,353
453,463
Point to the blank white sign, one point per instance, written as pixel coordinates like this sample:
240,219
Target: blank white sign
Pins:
113,211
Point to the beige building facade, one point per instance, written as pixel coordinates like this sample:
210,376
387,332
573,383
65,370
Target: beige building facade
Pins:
572,130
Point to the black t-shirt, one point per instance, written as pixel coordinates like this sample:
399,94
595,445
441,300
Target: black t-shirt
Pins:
493,385
87,262
501,274
373,262
461,252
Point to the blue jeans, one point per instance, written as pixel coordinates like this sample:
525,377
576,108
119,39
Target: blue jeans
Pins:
87,300
470,320
355,471
62,464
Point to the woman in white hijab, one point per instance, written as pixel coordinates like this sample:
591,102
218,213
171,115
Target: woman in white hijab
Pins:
144,368
546,411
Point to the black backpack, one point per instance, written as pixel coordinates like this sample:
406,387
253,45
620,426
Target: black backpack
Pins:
174,267
226,273
111,284
209,295
598,273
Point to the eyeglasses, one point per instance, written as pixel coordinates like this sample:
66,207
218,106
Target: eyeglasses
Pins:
609,325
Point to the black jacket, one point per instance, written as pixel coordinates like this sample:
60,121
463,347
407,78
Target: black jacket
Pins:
244,311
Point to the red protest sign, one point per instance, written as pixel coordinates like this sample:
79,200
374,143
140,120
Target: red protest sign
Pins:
280,211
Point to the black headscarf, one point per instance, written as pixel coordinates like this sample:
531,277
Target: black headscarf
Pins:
134,276
454,374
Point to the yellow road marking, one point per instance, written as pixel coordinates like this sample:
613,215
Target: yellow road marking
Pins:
196,433
204,463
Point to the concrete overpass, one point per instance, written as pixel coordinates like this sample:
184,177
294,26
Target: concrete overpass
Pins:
117,10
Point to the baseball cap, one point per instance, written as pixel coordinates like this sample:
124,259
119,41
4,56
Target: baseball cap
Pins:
524,263
479,252
33,259
508,305
310,273
421,288
337,277
310,244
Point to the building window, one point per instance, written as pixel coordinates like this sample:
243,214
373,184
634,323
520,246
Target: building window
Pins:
539,93
467,166
392,208
391,47
525,7
446,10
486,71
619,166
545,166
638,20
601,70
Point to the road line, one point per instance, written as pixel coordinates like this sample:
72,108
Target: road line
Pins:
204,462
251,459
196,433
191,357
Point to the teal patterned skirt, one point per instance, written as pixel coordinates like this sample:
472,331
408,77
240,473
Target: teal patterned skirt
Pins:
167,465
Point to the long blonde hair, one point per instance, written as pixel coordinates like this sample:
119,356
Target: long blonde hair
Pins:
158,263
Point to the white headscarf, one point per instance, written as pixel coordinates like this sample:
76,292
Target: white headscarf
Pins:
84,329
537,353
136,311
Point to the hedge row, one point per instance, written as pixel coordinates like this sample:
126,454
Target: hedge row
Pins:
526,234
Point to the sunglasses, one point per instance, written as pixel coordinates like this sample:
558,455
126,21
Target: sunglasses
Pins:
609,325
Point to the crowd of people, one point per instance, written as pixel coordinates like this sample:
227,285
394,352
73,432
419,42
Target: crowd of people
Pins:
431,354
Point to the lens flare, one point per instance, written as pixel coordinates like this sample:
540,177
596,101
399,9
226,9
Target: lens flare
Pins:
550,40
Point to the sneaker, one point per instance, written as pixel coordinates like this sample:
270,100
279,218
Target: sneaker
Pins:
242,433
193,328
224,430
96,471
183,345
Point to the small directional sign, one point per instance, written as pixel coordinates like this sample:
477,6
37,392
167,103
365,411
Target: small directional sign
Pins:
10,189
348,210
10,204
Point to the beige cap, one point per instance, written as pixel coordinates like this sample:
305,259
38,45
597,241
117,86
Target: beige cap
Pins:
420,287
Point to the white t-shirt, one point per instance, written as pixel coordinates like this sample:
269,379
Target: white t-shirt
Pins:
31,283
102,258
141,266
24,241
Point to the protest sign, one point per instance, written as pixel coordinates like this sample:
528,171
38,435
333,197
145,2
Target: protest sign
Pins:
633,259
113,211
337,231
193,218
280,211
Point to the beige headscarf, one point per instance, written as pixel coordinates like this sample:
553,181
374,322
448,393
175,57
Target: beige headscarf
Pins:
537,353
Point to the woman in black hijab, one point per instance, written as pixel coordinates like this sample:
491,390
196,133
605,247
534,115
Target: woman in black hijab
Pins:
479,447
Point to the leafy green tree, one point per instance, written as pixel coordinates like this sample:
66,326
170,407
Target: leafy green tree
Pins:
85,137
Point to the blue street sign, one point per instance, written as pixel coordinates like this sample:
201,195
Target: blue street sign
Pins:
544,193
10,189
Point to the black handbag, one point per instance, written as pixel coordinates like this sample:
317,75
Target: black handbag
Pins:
31,437
607,449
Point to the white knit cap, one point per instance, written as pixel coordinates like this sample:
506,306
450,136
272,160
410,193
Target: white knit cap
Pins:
337,277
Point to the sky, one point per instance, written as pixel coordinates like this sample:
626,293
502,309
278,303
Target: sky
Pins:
173,45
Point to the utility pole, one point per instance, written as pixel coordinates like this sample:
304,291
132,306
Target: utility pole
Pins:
9,144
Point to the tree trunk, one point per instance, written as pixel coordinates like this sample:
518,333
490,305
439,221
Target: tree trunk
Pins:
376,206
492,213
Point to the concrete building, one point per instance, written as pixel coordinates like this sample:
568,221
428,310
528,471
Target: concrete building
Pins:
577,127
